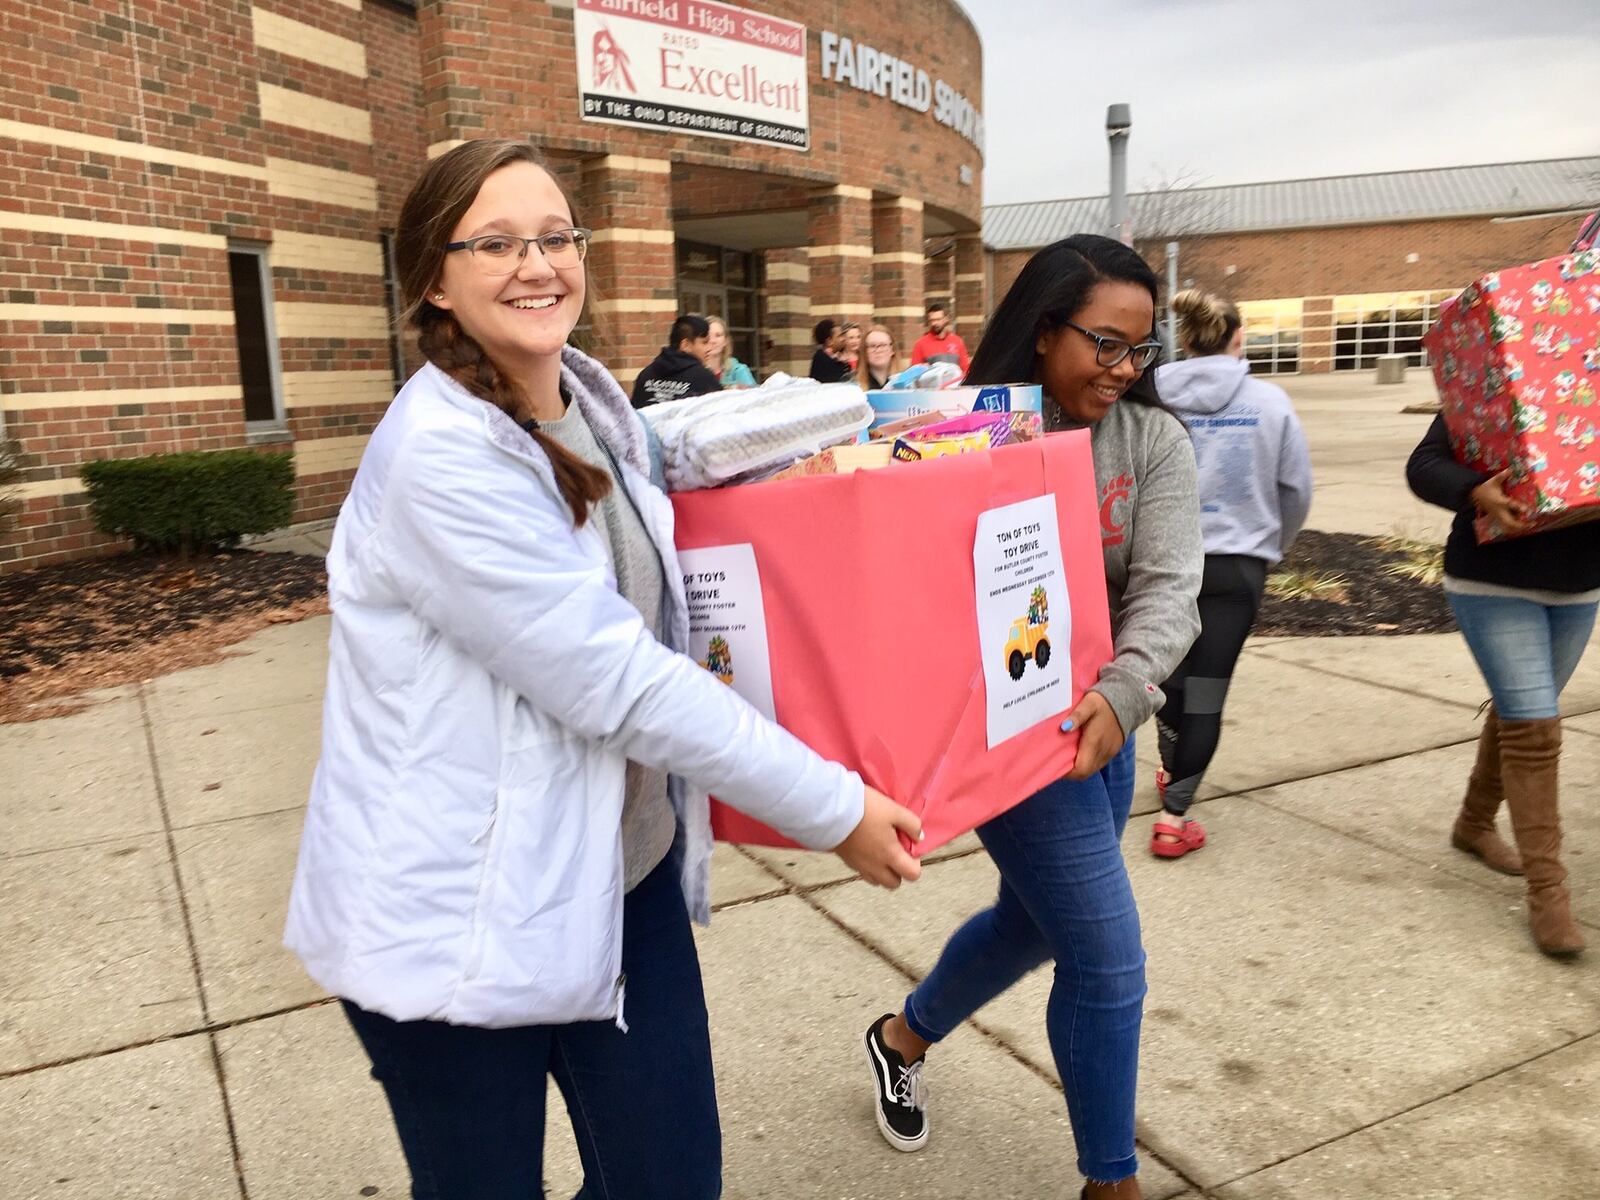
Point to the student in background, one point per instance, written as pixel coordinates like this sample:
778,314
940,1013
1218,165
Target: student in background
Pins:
826,364
940,343
879,360
1255,492
679,370
852,344
720,357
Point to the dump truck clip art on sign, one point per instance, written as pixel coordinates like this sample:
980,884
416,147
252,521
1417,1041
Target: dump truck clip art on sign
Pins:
719,660
1027,637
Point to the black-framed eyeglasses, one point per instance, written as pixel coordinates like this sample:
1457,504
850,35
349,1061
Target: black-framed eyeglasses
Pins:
502,253
1110,351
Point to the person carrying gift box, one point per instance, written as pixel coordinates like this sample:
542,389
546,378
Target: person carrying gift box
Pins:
1526,606
508,830
1080,321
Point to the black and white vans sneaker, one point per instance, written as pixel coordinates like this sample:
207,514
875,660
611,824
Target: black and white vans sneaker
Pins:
899,1094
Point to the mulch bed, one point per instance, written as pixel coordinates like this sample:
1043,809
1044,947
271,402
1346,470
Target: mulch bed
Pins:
68,628
1377,602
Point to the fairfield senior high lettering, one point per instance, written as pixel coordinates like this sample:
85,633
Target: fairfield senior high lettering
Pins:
872,70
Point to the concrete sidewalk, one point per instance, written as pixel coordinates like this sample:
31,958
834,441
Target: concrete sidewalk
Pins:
1340,1006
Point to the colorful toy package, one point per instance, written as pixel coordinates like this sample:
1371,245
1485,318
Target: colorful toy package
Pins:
892,406
1516,358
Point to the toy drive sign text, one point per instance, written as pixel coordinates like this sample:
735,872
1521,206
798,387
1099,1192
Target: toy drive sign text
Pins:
693,66
1024,617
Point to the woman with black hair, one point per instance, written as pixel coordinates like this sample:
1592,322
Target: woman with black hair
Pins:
827,365
1080,321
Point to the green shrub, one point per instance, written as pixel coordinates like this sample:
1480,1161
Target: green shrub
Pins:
193,501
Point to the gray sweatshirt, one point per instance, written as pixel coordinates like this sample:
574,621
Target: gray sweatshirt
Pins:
648,823
1255,470
1150,535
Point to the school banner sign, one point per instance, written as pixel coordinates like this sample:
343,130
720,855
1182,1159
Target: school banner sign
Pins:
693,66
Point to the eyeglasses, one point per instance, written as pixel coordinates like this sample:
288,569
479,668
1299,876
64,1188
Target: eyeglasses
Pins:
502,253
1109,351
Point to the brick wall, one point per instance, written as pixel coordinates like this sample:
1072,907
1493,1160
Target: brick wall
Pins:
506,68
141,148
141,140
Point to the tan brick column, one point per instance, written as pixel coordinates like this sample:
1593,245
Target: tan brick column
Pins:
898,287
633,286
1316,335
453,107
840,250
971,287
787,305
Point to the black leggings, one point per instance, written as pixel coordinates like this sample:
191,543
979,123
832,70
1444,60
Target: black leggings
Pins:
1190,724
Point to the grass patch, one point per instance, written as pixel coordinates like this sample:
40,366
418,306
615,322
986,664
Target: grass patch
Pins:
1420,561
1297,583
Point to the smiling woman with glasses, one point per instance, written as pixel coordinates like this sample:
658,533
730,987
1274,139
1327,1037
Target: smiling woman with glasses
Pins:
1079,322
508,831
1110,351
502,253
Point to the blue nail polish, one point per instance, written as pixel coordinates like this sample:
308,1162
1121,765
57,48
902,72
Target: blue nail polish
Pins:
1066,726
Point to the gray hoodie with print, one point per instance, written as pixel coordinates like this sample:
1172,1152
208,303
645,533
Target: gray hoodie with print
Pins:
1150,535
1255,469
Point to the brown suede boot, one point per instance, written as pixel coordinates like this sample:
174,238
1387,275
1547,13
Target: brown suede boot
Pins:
1530,757
1474,831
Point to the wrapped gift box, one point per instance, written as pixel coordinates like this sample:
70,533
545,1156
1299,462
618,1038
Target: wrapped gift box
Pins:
868,584
1516,358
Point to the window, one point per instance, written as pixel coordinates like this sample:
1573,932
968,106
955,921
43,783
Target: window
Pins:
1366,327
1272,335
391,303
259,376
725,283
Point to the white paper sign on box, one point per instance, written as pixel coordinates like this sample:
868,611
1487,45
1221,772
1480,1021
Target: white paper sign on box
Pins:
727,620
1024,616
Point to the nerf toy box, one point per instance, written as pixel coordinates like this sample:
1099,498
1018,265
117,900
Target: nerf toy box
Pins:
897,404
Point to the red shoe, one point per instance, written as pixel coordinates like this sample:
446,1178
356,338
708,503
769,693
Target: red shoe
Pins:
1190,834
1162,778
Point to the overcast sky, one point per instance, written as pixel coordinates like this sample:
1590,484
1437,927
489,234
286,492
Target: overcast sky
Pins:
1234,91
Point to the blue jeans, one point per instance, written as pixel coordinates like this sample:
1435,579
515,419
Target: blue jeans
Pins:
469,1103
1526,650
1064,895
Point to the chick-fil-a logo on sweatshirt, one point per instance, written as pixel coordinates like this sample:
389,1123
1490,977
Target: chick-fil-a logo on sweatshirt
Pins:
1114,498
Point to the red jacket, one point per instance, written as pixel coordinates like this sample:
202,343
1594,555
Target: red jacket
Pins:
949,348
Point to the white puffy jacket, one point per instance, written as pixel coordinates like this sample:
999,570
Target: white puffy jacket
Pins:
487,685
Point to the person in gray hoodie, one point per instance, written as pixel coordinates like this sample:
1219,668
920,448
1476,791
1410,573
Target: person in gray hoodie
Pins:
1255,492
1080,322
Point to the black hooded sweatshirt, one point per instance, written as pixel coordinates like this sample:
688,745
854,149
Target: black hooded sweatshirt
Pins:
1566,559
673,375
